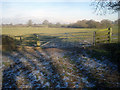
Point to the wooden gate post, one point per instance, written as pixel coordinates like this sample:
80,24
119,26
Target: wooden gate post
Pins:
20,39
38,43
94,40
110,34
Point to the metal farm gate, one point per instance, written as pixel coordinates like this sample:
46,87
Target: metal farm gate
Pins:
60,40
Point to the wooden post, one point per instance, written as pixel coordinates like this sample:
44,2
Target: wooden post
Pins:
110,34
20,39
38,42
94,40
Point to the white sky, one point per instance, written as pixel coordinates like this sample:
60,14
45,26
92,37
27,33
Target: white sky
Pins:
63,11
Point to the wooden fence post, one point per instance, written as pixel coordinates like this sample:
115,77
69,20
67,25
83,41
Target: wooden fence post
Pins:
94,40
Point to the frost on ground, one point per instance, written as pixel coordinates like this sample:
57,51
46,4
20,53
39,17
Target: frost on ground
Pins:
59,68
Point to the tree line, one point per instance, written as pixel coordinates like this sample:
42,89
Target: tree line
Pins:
91,24
79,24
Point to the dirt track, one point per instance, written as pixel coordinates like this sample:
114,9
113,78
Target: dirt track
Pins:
59,68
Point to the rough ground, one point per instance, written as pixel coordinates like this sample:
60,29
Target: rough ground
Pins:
59,68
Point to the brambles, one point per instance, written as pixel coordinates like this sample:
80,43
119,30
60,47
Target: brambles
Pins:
8,43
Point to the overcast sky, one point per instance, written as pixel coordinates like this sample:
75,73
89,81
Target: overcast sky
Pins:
63,11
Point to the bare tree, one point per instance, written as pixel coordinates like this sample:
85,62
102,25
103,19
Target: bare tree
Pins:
104,6
29,23
45,22
106,23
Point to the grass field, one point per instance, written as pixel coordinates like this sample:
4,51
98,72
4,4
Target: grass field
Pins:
31,30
